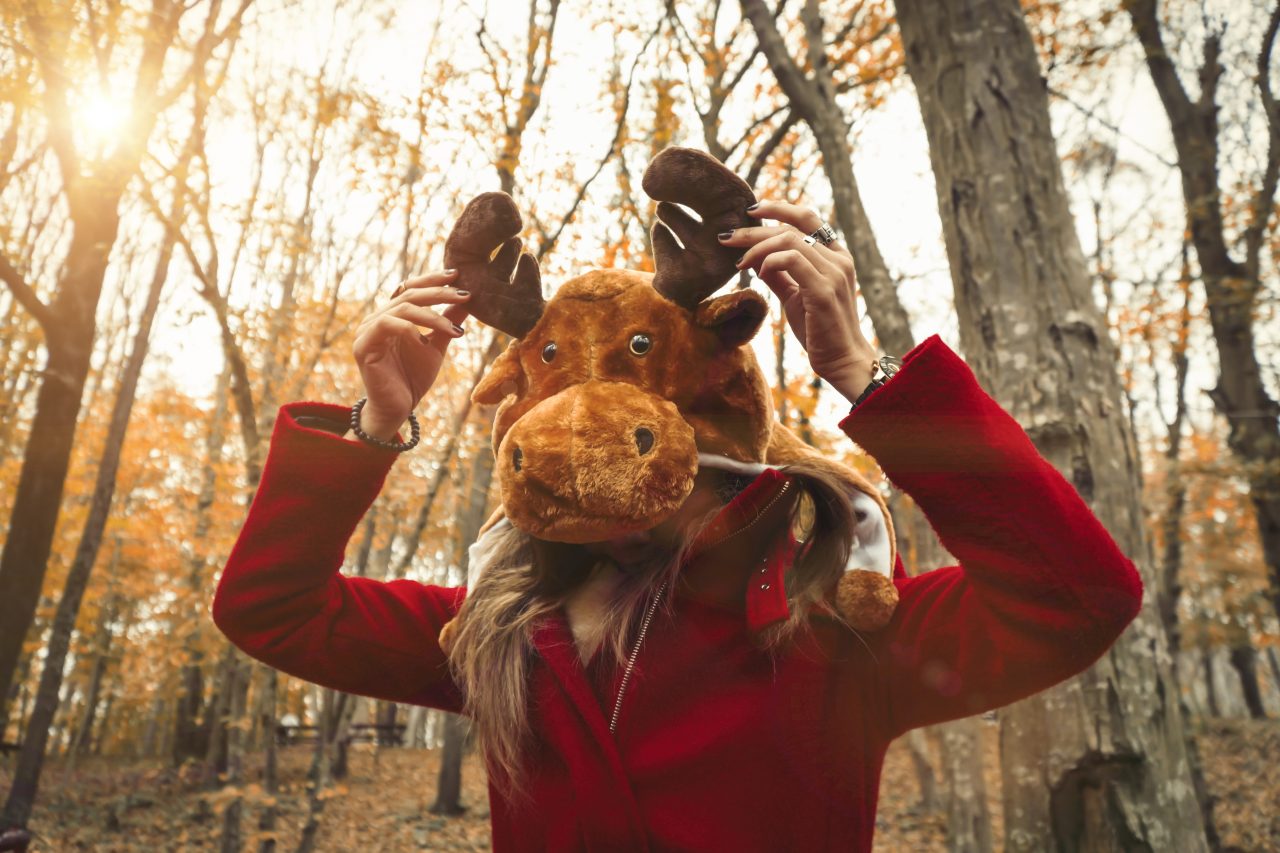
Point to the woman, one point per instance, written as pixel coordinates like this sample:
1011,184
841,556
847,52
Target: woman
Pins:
716,732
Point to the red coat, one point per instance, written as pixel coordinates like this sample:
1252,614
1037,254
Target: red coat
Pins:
718,747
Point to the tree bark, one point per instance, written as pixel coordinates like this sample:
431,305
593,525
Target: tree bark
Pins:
101,655
319,773
449,786
147,748
1244,659
15,691
1098,762
270,763
341,743
219,713
1210,683
232,838
1175,487
191,737
968,817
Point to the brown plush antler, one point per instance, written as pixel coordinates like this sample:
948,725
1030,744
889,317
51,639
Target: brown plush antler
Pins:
511,306
696,179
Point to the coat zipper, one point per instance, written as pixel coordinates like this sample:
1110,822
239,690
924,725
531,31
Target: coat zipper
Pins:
653,607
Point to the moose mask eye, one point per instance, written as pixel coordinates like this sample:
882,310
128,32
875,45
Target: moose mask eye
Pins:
641,344
549,353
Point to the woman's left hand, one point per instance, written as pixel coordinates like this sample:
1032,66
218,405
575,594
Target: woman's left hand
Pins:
817,288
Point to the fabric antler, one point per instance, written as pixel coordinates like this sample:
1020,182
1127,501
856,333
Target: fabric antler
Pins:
509,305
688,275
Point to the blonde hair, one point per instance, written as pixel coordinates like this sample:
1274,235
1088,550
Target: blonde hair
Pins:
525,580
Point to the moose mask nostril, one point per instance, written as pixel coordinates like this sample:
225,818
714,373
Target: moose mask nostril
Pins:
517,458
644,440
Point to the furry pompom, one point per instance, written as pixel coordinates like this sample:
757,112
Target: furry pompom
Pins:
866,599
447,633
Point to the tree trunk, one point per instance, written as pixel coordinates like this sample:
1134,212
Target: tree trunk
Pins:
232,831
7,704
70,322
105,725
319,773
1210,684
812,98
48,452
449,787
386,716
1098,762
191,739
1231,286
918,746
968,818
27,777
270,769
219,713
101,649
1175,487
1244,659
148,747
346,710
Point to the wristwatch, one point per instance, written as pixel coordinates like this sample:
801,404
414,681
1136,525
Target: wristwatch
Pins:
883,370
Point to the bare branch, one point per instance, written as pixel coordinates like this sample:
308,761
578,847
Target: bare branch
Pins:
26,296
770,144
1092,115
549,240
61,139
1146,25
210,40
1263,202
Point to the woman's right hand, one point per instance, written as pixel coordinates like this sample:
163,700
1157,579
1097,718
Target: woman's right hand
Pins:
397,361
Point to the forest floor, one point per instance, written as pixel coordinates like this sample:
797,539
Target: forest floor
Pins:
106,805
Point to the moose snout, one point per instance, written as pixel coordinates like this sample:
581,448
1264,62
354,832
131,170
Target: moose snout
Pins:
596,460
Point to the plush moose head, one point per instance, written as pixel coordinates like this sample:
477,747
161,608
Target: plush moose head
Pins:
611,390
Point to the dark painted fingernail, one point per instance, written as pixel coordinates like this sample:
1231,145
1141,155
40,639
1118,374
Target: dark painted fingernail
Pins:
724,235
450,271
463,292
457,329
753,207
424,339
739,261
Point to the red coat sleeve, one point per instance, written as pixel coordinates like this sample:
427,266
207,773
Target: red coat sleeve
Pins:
1041,591
282,600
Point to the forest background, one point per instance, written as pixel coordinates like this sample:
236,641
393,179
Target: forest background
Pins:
199,200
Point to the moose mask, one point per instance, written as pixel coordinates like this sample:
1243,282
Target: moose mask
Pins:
612,389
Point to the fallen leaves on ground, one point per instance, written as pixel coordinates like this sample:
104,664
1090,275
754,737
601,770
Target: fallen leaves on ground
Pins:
385,803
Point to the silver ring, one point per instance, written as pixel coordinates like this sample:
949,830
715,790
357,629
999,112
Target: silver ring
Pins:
826,235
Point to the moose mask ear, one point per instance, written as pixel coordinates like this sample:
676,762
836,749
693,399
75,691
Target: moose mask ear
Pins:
734,317
505,376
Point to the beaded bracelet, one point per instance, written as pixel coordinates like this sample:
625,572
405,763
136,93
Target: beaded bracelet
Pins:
399,446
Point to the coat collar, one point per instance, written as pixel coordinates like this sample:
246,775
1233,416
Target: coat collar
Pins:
739,561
